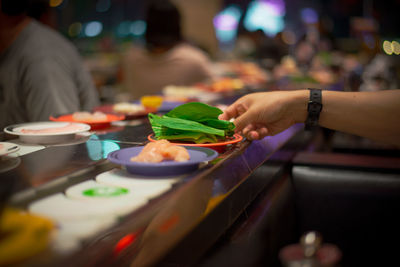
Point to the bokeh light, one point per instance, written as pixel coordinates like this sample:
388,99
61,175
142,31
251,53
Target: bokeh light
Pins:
309,15
103,5
396,47
75,29
387,47
123,29
226,23
138,27
55,3
93,28
265,15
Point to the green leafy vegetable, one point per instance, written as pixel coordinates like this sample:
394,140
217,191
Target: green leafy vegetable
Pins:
186,125
195,137
219,124
194,122
195,111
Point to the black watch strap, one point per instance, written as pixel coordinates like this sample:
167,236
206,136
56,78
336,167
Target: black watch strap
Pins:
314,108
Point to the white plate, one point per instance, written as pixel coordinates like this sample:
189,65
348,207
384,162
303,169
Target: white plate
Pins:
65,131
61,208
7,148
141,185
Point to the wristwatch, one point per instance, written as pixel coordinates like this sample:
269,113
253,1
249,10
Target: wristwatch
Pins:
314,108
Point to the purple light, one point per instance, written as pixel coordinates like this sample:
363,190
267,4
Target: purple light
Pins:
225,22
277,7
309,15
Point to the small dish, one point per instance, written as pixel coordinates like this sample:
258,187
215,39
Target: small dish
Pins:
164,168
94,124
46,132
8,148
219,146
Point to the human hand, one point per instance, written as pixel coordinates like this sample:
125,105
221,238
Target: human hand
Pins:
260,114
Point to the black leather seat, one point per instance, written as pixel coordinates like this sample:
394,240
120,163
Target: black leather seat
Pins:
353,209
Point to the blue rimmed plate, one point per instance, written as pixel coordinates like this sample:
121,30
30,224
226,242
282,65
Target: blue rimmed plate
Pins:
164,168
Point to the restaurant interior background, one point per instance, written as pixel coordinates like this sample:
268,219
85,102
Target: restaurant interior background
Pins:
235,207
239,30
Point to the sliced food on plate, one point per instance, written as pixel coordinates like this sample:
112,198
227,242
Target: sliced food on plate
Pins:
46,132
96,120
130,111
128,108
52,129
162,150
88,116
170,164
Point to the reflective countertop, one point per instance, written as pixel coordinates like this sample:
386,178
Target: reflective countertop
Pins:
209,198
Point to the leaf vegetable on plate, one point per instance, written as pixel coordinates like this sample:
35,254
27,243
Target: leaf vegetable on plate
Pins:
192,122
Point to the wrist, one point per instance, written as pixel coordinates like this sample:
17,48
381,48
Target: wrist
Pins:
299,102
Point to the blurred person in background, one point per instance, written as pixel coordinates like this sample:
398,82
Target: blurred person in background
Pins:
41,72
41,11
380,74
304,52
166,59
259,46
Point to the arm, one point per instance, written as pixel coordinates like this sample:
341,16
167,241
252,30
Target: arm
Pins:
373,115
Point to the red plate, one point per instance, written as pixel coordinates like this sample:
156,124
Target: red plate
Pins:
94,124
128,116
219,146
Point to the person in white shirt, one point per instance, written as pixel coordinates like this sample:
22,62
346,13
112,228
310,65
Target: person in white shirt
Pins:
41,72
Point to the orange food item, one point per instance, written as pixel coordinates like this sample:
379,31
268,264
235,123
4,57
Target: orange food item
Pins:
161,150
151,101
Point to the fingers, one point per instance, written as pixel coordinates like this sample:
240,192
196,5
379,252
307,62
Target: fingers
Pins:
255,132
233,111
245,120
253,135
263,131
230,112
247,129
224,116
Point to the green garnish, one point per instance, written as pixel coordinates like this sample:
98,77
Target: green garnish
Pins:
195,122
